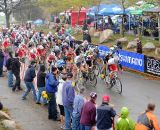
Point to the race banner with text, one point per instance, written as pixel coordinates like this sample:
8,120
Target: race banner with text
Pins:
152,66
130,60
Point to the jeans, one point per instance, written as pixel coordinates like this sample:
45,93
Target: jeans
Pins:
76,123
83,127
10,78
18,81
68,115
40,90
52,106
29,86
1,71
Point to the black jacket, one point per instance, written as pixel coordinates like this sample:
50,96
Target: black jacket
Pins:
104,116
9,64
15,65
41,79
30,74
87,37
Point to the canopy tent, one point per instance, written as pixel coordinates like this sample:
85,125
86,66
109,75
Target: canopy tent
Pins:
113,9
38,22
154,11
139,9
105,10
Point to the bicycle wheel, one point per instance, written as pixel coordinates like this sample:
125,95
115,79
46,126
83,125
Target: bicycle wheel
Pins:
117,85
108,82
91,81
96,70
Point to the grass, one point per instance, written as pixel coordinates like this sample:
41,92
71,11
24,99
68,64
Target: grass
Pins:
2,127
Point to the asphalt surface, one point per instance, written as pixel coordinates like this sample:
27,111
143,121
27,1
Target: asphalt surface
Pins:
137,93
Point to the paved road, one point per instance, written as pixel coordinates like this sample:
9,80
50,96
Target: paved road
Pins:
137,92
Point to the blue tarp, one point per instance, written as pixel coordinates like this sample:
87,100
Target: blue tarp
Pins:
105,10
38,22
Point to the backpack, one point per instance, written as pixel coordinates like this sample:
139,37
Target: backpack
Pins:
143,123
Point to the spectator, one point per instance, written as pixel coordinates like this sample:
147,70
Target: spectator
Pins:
86,36
1,62
88,114
119,44
148,120
51,88
1,106
77,107
85,26
16,71
41,75
68,99
28,79
59,99
124,122
105,114
9,68
139,46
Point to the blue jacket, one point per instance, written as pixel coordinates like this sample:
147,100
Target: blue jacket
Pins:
68,94
51,83
30,74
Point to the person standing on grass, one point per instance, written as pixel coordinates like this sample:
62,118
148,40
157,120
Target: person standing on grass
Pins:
51,89
9,69
59,99
68,99
88,114
41,75
30,74
16,71
139,46
77,108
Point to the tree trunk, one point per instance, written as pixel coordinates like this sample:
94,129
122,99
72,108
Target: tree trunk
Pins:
78,15
7,20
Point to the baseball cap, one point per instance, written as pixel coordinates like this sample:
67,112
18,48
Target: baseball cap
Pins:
106,98
93,95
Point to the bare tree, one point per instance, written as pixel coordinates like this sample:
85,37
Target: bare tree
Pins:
7,6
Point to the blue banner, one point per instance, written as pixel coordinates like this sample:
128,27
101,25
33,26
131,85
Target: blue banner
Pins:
102,50
130,60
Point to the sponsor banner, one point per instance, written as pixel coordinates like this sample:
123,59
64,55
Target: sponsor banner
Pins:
152,66
130,60
103,50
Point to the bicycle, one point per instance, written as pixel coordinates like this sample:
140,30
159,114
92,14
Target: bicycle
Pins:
88,79
113,81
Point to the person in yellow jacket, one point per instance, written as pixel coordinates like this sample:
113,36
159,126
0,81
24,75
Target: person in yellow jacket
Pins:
148,120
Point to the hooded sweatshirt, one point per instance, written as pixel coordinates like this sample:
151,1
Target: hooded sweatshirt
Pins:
51,83
125,123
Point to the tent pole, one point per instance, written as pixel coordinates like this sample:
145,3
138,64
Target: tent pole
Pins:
159,24
142,26
129,22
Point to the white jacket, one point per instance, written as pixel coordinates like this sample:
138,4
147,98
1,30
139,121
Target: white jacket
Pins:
59,92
